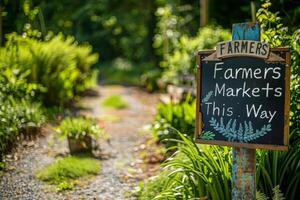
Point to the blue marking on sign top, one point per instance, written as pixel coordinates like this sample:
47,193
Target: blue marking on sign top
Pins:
246,31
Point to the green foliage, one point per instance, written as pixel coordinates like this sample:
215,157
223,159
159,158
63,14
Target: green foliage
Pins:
65,172
122,71
16,118
152,188
79,127
19,115
274,167
171,24
278,35
277,194
181,61
115,101
261,196
150,80
59,66
172,116
280,168
197,172
114,28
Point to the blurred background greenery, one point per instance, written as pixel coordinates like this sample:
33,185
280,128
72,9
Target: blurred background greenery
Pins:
52,51
139,42
128,29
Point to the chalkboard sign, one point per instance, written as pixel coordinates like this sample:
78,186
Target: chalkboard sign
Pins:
243,101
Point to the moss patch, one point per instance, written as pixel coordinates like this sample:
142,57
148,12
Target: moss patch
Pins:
115,101
65,172
110,118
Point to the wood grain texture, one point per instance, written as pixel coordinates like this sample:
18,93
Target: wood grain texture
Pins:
287,97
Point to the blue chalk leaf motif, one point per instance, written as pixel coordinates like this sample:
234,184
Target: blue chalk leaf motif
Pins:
207,97
207,135
240,132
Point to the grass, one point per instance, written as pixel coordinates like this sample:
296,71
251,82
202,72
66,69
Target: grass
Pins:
64,173
115,101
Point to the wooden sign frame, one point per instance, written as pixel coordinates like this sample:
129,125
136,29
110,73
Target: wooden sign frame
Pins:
283,53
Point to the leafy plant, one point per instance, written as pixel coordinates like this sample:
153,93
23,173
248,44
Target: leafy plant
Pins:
115,101
277,194
279,35
171,117
65,172
19,114
275,167
59,65
152,187
181,62
79,127
197,172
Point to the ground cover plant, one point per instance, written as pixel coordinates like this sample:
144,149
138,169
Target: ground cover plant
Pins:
109,118
115,101
65,173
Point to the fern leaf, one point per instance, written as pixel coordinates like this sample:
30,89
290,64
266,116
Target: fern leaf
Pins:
261,196
277,194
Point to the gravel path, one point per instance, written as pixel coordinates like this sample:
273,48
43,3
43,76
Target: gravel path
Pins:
118,176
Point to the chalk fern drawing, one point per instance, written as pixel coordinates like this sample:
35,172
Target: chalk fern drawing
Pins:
207,135
241,132
207,97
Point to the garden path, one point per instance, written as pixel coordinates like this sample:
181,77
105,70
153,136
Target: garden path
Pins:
121,165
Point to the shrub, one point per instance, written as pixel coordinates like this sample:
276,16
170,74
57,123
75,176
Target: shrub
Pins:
17,112
181,62
59,65
115,101
18,117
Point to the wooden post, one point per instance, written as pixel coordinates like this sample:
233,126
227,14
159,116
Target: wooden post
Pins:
204,12
243,159
253,11
1,25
